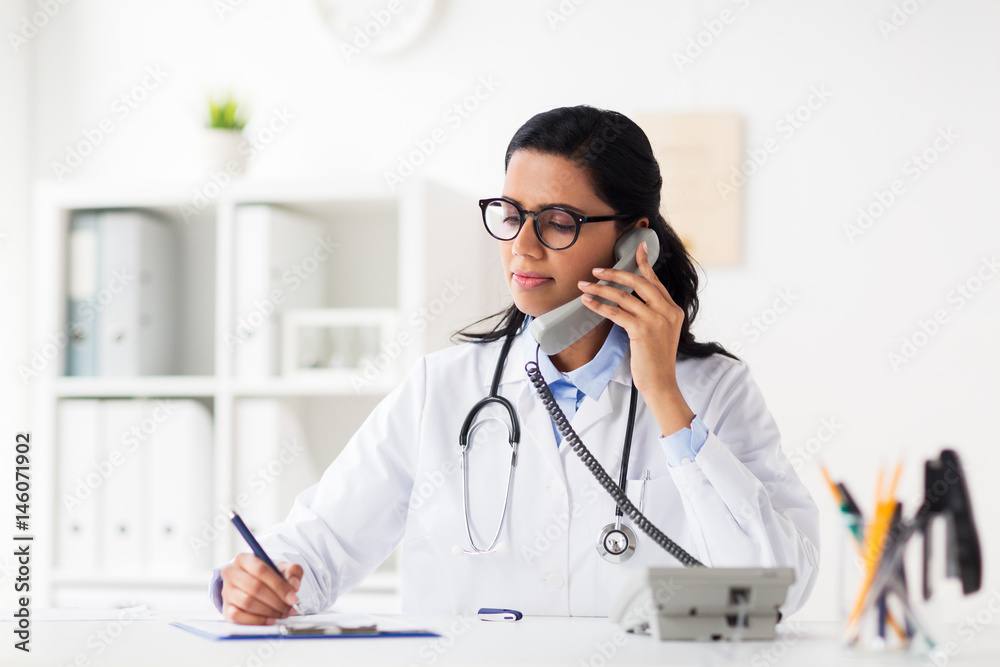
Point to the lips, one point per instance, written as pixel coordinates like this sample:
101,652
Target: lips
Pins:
528,279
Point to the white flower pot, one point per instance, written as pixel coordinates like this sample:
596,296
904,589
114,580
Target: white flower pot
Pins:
220,152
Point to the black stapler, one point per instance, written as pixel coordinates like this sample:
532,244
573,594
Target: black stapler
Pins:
946,495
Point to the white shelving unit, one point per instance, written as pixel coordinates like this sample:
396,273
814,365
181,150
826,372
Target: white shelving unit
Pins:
396,251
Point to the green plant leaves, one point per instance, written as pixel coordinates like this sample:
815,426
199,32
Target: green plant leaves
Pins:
223,114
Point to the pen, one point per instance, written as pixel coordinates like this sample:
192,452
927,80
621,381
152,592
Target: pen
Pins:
853,512
258,551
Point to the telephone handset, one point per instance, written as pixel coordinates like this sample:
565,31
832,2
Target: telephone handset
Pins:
563,326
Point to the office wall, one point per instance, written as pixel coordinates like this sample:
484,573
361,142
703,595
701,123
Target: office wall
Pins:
893,110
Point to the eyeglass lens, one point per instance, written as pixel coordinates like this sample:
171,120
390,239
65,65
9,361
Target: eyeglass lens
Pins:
557,228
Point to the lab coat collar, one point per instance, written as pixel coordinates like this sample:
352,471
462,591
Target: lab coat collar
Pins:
536,427
524,347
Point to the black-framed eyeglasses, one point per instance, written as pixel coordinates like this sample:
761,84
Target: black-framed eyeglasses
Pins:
557,227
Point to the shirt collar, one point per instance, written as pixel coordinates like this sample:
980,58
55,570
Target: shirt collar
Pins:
592,377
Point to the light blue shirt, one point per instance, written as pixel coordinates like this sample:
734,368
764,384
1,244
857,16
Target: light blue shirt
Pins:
590,380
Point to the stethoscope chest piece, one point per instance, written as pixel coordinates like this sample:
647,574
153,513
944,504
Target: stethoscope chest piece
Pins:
616,543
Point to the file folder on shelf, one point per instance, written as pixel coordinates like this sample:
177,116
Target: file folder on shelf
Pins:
273,460
125,505
137,256
179,482
121,295
277,266
78,481
82,318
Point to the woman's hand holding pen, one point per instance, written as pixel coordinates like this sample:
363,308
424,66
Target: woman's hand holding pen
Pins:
654,331
254,594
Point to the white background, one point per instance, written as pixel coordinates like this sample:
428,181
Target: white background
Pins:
826,358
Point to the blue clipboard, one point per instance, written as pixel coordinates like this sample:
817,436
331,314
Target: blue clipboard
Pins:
224,631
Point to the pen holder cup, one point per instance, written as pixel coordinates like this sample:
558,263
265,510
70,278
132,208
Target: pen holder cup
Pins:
851,568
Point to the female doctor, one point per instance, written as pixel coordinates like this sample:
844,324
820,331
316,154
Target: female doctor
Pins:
702,450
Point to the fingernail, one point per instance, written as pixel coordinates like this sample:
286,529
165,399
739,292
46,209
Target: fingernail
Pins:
290,598
582,283
644,248
598,270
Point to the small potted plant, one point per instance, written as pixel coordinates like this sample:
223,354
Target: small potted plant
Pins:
224,135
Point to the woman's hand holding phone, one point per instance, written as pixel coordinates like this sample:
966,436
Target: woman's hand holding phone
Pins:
653,322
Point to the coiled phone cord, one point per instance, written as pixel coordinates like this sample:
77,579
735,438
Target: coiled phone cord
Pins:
594,466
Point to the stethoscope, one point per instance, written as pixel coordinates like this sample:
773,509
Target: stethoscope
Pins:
616,542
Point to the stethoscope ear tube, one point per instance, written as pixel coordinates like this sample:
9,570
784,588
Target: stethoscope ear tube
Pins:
513,430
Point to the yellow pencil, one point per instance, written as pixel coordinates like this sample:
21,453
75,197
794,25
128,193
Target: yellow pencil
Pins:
829,482
874,542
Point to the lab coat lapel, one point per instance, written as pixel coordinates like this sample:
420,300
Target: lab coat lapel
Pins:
536,426
537,429
592,412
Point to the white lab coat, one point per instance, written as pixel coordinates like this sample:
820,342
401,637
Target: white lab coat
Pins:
738,503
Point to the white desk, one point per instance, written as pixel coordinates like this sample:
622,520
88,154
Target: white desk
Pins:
465,641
